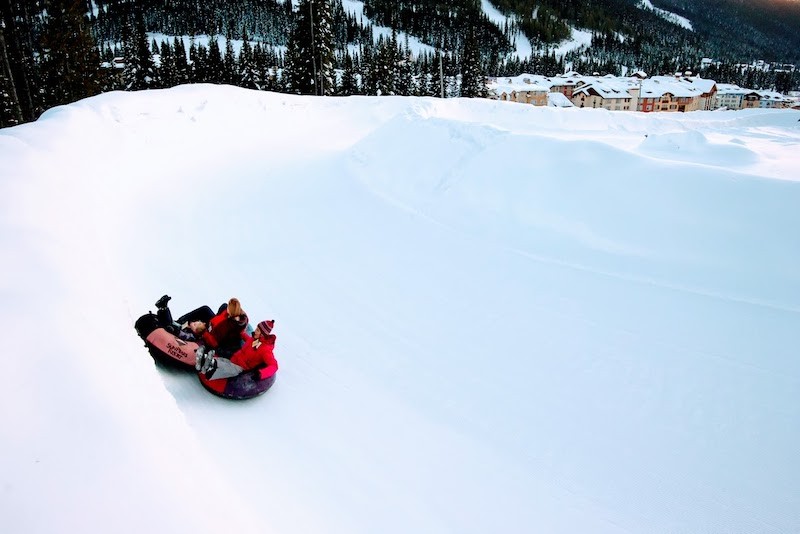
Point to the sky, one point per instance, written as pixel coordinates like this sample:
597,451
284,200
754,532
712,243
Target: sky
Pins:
490,317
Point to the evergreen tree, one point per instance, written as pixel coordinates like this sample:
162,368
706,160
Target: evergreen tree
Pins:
10,111
309,56
248,75
349,85
404,82
167,72
192,62
70,60
181,62
17,37
369,85
214,71
261,65
783,81
230,74
295,77
9,107
426,81
139,71
473,82
322,11
384,67
451,86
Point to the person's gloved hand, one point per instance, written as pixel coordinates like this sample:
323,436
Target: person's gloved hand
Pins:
210,368
199,356
209,361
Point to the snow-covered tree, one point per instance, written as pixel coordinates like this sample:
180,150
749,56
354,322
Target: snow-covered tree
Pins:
310,55
230,74
248,75
473,81
139,71
70,59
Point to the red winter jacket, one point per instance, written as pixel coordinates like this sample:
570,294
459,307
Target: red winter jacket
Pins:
223,330
257,353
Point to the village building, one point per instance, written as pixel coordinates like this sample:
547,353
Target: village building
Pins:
669,93
613,94
558,100
523,91
734,97
773,100
678,93
707,88
566,83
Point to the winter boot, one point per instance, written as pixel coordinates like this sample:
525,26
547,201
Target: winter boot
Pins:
162,302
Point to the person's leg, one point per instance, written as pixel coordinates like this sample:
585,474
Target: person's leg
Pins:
218,368
203,313
164,317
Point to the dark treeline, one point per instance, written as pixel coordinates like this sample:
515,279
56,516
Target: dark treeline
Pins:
57,51
734,30
47,57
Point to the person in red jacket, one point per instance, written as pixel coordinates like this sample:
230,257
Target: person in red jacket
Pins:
225,328
256,353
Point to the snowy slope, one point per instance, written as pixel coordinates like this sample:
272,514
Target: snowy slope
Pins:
523,49
490,317
666,15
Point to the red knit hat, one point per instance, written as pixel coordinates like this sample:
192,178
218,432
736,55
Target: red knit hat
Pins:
266,327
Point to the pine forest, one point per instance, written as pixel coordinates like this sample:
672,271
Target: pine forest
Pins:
58,51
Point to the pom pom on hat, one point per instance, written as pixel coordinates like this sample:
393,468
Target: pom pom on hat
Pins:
266,327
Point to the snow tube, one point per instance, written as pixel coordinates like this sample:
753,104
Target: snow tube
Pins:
244,386
165,346
169,350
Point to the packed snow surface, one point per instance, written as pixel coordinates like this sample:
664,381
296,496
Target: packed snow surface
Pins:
491,317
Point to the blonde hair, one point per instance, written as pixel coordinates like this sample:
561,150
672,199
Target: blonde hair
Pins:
197,327
234,307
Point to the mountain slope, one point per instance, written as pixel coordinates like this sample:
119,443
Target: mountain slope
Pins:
759,29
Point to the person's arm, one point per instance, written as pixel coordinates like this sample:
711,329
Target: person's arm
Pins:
270,361
209,340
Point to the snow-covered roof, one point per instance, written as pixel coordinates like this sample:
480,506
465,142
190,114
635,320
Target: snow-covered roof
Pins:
705,85
608,88
558,100
730,89
772,95
523,82
658,86
611,87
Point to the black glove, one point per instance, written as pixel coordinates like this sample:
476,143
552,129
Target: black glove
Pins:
212,367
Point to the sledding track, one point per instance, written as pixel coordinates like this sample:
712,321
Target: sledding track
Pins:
489,317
